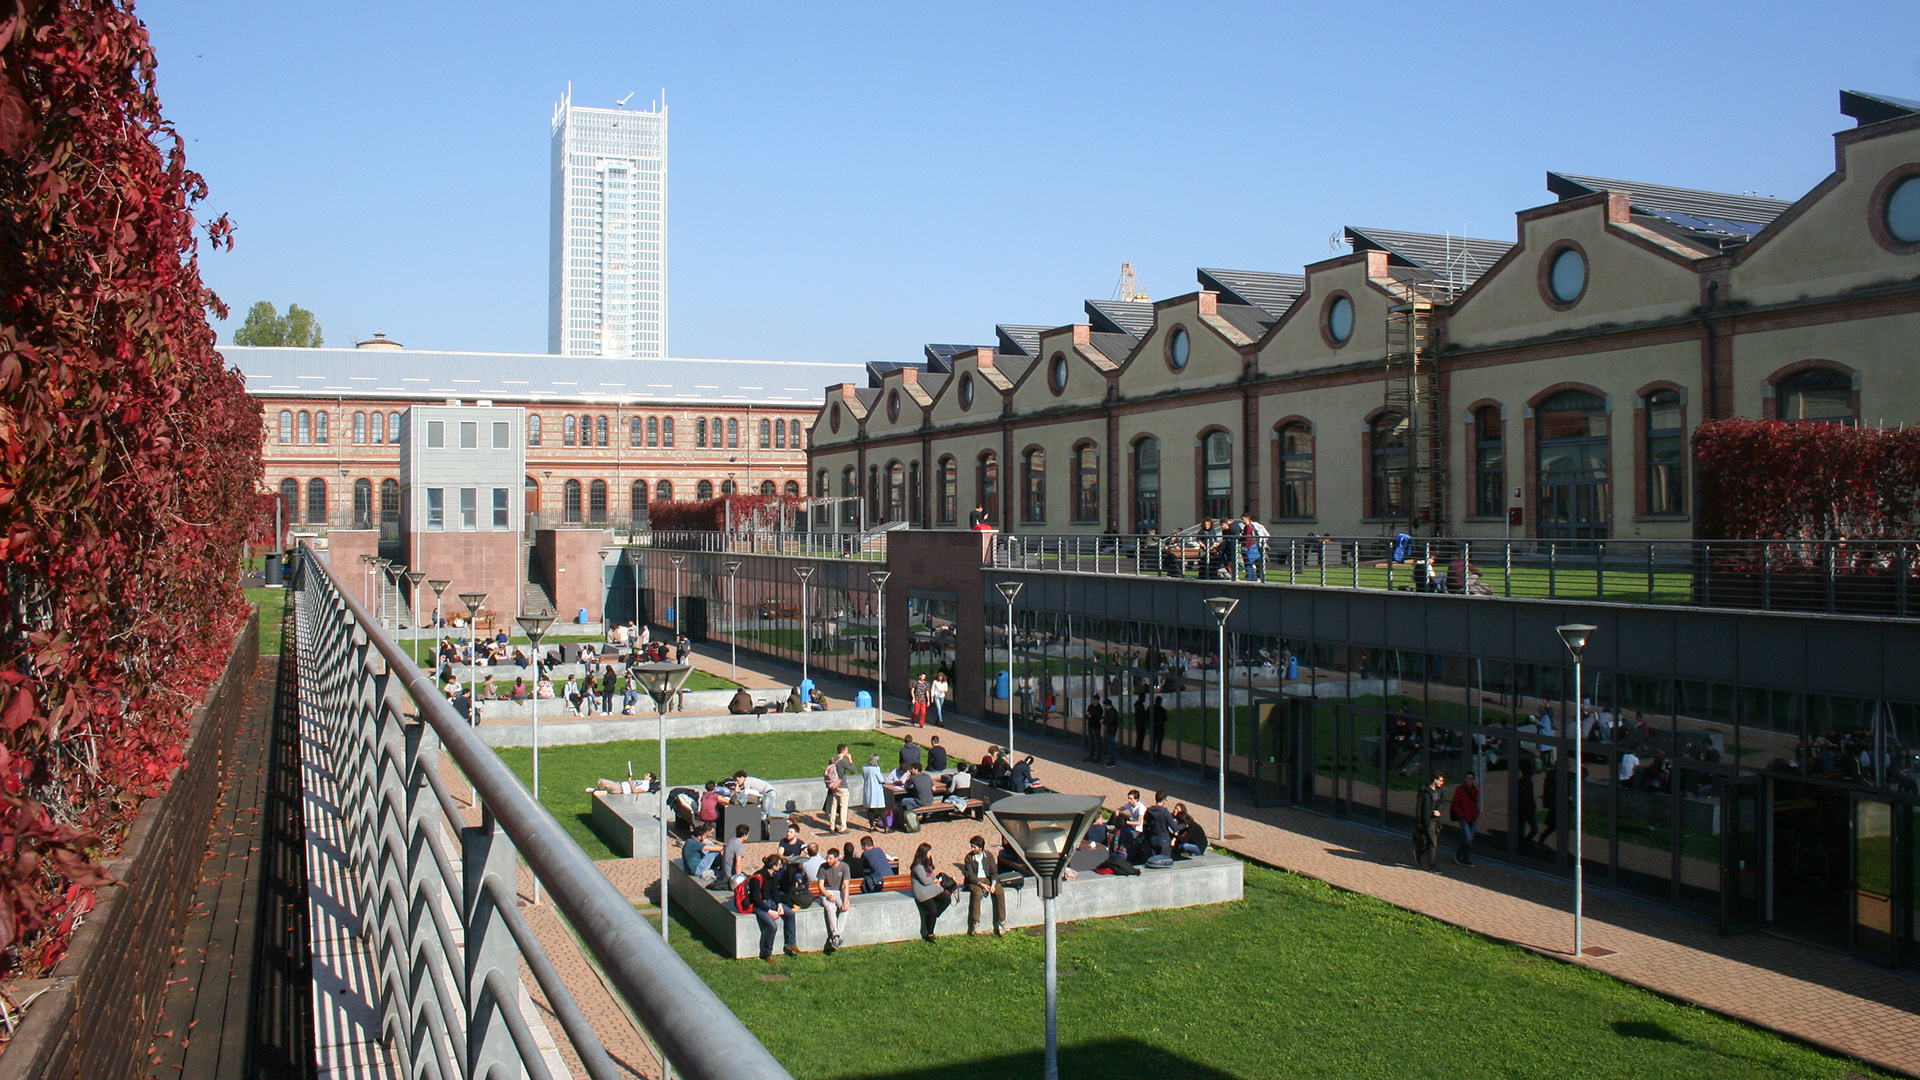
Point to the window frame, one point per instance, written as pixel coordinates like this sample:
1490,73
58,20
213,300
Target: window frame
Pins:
1389,486
1033,486
1489,474
1086,483
1670,475
1294,487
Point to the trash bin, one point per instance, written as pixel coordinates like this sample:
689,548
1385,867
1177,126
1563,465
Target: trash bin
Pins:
273,568
1000,686
863,700
1293,667
582,617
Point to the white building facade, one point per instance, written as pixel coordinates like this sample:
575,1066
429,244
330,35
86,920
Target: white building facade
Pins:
607,279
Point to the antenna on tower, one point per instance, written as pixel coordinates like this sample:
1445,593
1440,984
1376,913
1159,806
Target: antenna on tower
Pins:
1128,290
1333,242
622,103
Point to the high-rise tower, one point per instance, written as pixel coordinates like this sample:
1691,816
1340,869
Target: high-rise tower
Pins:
607,270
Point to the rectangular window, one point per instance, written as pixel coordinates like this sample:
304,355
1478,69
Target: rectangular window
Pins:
499,508
436,434
666,432
469,435
436,508
500,434
469,508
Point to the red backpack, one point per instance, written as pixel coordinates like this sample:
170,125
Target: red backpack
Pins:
740,902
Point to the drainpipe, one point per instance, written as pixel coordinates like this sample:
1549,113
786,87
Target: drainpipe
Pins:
1713,378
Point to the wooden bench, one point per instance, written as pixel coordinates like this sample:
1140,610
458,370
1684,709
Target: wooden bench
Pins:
943,808
856,886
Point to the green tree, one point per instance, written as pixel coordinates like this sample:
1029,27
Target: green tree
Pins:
265,326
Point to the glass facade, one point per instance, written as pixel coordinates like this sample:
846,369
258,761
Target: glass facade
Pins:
607,287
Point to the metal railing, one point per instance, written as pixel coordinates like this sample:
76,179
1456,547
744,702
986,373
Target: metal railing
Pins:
815,545
1848,577
444,926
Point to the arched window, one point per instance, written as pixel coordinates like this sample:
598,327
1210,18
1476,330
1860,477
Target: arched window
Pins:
700,432
896,492
1390,465
572,507
849,489
946,491
727,487
653,431
1816,395
359,429
639,500
316,501
703,490
1146,484
1489,463
819,488
663,491
767,487
290,500
986,484
1033,486
1666,453
393,428
286,426
779,434
533,429
1576,486
794,441
363,504
531,499
666,431
320,428
733,433
599,431
766,434
597,502
1217,490
569,430
306,427
390,502
793,487
1294,469
1086,483
377,429
639,428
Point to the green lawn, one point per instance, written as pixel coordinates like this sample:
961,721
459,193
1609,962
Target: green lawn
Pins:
273,607
567,771
1297,980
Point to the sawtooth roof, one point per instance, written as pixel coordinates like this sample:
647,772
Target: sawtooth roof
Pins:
1271,293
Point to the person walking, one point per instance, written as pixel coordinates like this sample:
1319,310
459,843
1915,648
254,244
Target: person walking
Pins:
835,778
928,893
978,872
1426,824
1095,717
1110,732
1465,810
940,689
921,698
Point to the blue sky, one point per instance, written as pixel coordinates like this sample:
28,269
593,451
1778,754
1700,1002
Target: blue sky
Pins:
850,182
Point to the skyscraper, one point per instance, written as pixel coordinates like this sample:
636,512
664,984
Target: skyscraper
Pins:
607,280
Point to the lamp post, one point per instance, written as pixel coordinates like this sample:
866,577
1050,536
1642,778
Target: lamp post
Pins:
1222,606
473,600
1010,589
395,571
536,627
414,578
806,621
880,642
662,682
439,587
1045,830
1574,636
368,561
733,620
678,561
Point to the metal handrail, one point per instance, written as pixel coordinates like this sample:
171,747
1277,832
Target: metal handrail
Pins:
692,1026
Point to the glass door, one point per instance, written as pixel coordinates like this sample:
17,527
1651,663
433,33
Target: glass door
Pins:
1873,882
1742,863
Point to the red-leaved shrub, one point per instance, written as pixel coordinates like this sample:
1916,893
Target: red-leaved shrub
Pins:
1770,480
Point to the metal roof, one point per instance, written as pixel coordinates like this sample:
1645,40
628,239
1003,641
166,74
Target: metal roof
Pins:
940,357
1121,316
1459,259
1272,293
1016,338
1115,347
880,369
529,377
1875,108
1248,319
1700,211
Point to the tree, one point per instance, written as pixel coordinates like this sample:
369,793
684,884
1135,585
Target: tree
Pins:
265,326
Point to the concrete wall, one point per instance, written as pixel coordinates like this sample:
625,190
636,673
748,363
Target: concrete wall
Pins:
344,548
574,730
1211,879
488,562
569,561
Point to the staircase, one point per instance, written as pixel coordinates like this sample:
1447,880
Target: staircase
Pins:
1413,390
538,600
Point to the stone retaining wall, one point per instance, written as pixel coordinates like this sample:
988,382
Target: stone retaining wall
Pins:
568,730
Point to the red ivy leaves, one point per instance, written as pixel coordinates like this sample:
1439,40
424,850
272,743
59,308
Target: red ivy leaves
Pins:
129,458
710,515
1771,480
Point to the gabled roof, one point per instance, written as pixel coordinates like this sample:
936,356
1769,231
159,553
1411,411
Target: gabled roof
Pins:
878,370
1130,317
1020,339
940,357
1272,293
1712,214
1115,347
1457,259
1875,108
1249,320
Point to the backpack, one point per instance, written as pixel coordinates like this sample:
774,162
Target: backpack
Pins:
909,821
1120,866
741,903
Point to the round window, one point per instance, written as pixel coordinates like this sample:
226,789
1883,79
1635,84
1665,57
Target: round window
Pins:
1340,319
1057,373
893,406
966,391
1568,277
1177,349
1903,211
833,417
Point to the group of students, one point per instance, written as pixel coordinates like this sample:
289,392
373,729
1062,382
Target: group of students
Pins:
1230,548
1142,835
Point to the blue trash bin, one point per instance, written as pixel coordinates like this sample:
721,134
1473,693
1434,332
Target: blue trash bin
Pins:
863,700
1293,667
1000,686
582,617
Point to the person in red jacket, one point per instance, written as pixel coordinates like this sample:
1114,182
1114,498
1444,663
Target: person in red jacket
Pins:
1466,810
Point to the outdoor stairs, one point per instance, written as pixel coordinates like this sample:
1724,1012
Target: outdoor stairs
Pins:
538,600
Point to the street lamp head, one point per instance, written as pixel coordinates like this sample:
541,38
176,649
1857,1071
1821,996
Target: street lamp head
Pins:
677,560
732,566
1221,606
662,681
473,600
1010,589
805,572
879,577
535,626
415,577
1575,636
439,586
1045,830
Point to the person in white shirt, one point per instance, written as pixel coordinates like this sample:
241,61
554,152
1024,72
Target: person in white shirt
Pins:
1629,762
